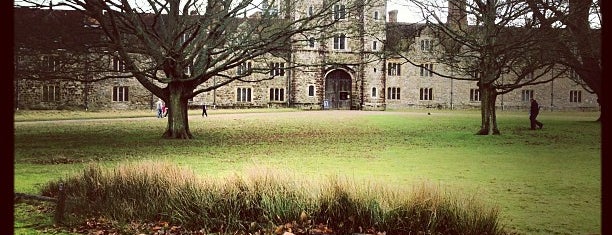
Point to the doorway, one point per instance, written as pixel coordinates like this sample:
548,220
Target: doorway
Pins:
338,89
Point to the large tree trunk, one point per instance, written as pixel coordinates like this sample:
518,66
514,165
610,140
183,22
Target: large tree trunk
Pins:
178,124
487,111
484,111
484,123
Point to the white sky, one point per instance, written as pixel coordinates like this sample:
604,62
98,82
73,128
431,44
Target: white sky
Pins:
405,13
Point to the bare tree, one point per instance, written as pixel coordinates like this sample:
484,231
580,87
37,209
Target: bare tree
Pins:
500,42
578,45
175,48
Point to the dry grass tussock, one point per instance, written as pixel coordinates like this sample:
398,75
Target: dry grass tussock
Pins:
265,201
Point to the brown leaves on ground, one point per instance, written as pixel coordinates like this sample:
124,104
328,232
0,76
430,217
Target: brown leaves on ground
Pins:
102,226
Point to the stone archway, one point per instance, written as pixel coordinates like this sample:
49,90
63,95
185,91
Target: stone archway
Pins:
338,89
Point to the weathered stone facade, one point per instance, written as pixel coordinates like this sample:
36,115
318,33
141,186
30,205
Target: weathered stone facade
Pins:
348,75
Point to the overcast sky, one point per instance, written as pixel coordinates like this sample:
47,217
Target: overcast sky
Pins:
405,13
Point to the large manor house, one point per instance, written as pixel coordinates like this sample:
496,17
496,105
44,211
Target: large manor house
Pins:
353,81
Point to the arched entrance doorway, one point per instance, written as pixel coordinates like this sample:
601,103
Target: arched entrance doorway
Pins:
338,89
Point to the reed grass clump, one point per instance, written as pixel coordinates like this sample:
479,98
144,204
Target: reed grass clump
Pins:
267,201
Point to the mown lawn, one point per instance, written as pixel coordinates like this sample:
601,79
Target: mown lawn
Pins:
545,181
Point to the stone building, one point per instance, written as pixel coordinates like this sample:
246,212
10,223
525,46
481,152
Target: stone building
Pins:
346,69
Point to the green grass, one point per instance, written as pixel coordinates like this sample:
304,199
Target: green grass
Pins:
545,182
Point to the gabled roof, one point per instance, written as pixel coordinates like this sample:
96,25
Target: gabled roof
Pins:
399,31
44,29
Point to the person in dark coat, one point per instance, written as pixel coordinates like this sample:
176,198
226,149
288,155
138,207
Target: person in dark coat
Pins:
533,114
204,114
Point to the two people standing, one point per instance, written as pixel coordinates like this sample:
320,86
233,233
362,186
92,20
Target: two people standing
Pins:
162,109
159,105
533,114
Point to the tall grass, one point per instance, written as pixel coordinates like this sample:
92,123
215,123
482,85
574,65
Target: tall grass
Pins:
266,199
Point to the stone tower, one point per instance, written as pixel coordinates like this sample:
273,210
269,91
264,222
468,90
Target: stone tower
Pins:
457,13
346,73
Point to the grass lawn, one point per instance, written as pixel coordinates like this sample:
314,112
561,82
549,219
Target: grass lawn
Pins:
544,181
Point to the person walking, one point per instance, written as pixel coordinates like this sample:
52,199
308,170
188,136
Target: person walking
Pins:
533,114
160,106
204,114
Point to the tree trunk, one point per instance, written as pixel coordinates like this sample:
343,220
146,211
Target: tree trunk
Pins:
492,110
489,71
487,111
484,111
588,56
178,124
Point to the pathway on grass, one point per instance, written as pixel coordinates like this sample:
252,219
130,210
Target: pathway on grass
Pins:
229,116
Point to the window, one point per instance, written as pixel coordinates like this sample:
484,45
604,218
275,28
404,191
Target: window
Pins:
120,93
311,90
425,45
374,45
189,69
474,95
426,70
526,95
311,42
340,42
376,15
277,94
575,96
271,10
476,74
277,69
426,94
393,93
118,64
50,93
50,63
310,11
573,74
18,62
244,68
374,92
394,69
243,94
339,12
185,37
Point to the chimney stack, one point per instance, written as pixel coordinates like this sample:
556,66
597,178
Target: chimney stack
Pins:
393,16
457,14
